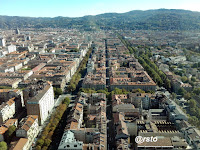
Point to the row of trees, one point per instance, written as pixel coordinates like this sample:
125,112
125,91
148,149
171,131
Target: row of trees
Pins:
77,76
194,113
105,91
193,110
143,57
158,76
46,136
115,91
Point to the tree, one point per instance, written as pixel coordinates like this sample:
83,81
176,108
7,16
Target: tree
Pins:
192,103
103,91
66,101
184,79
193,79
187,96
50,135
181,91
71,87
47,142
195,65
196,91
193,120
167,84
57,91
173,95
9,133
3,145
44,148
138,91
38,147
192,111
11,129
40,142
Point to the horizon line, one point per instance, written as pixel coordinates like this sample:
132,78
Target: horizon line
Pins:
100,13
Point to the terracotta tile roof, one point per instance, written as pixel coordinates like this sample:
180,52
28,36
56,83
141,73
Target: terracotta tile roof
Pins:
79,107
6,125
73,125
29,121
20,144
11,101
3,129
10,122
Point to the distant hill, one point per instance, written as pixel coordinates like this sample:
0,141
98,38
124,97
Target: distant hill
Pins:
161,19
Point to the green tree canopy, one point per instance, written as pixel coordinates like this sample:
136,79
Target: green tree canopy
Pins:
138,91
57,91
9,133
3,145
40,142
47,142
184,79
181,91
192,103
66,101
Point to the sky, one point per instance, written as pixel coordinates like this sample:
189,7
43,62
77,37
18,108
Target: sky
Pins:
79,8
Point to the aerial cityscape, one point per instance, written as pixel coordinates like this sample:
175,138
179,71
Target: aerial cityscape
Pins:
109,79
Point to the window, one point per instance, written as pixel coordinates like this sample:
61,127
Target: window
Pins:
75,145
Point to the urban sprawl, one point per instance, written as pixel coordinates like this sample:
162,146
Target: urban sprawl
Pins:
67,89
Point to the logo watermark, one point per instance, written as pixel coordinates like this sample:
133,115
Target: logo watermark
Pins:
140,139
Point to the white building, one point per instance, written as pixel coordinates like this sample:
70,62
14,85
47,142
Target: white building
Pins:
28,128
42,103
2,42
7,110
68,142
11,48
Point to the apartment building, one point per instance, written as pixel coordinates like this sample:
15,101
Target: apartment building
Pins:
86,127
7,110
28,128
42,102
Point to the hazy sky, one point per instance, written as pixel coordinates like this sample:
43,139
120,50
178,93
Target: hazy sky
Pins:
78,8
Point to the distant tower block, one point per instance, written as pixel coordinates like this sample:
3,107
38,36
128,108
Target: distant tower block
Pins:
28,37
17,31
2,42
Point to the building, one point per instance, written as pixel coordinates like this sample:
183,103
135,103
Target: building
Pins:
69,142
2,42
17,31
28,128
7,110
133,80
141,100
6,94
96,81
13,83
22,144
174,112
86,123
42,103
11,48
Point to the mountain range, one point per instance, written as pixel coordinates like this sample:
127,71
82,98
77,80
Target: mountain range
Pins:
160,19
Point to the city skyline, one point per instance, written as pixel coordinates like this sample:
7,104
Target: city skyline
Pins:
78,8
